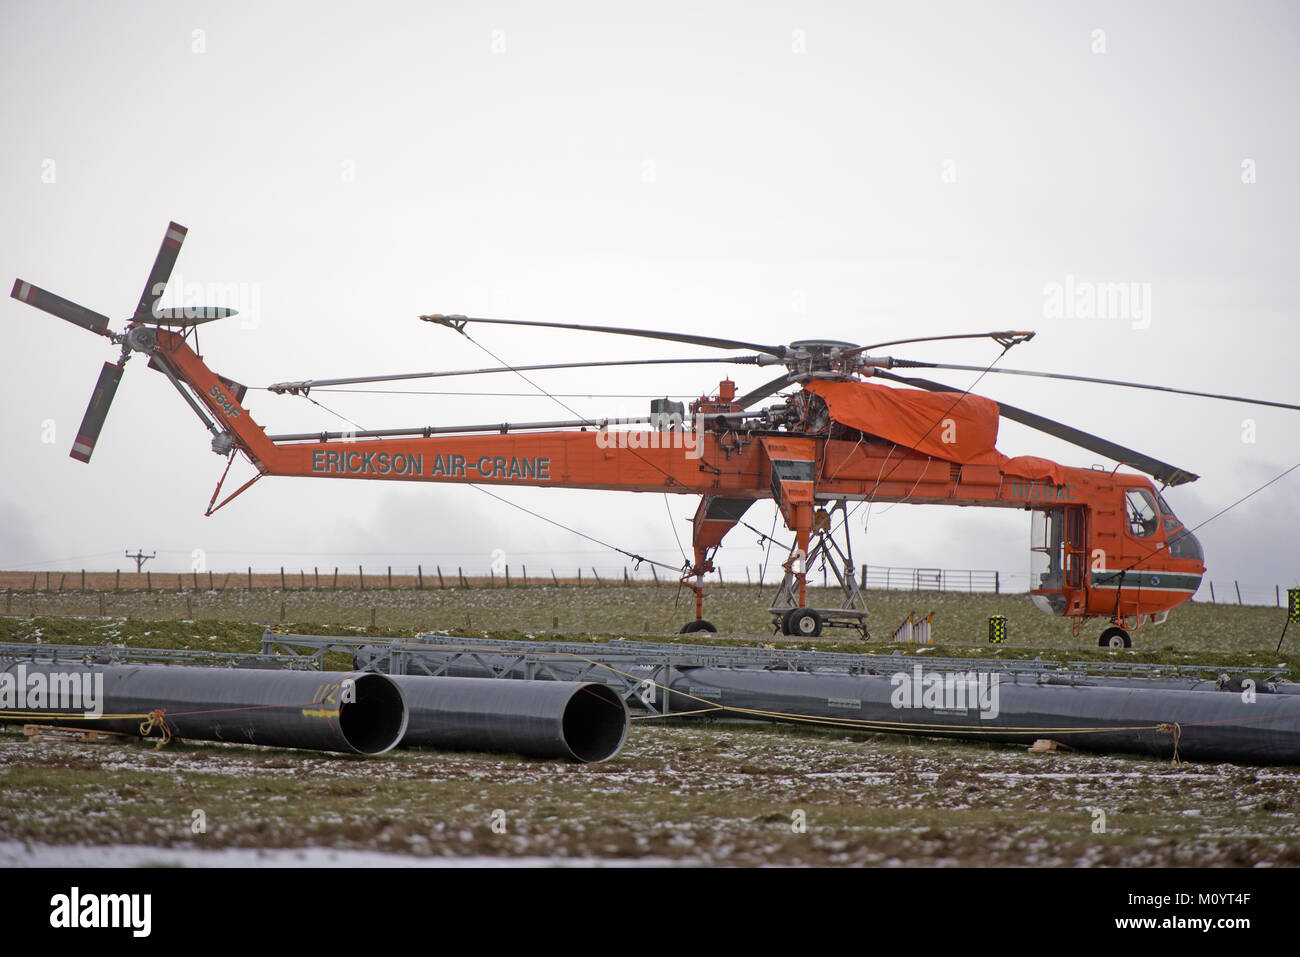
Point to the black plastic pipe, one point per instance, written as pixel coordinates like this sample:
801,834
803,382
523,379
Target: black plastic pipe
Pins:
579,720
1205,721
1211,725
357,713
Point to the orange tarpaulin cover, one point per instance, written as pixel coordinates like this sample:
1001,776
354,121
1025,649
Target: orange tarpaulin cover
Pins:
947,425
959,428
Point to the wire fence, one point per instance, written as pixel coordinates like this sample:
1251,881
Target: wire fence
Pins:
892,577
505,575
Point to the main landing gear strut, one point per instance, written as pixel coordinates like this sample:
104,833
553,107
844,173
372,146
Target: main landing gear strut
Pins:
814,546
790,612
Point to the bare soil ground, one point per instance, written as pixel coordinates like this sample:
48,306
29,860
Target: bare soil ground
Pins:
711,794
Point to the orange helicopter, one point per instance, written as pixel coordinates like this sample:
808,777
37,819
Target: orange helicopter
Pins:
1105,544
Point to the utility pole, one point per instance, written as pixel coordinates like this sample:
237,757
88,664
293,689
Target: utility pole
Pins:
140,558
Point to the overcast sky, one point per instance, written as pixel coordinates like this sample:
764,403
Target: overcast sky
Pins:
765,170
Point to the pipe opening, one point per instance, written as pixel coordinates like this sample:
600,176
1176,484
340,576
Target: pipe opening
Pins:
376,721
595,723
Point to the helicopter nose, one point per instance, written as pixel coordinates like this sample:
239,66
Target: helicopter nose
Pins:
1183,544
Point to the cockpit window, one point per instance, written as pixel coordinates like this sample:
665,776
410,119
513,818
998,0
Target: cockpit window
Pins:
1183,544
1141,508
1164,506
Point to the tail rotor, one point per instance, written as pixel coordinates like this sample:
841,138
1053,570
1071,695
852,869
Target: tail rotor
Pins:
134,339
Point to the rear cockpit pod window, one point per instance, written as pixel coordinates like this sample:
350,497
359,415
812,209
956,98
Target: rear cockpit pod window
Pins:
1140,507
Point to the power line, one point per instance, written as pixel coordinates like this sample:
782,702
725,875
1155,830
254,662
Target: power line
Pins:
638,559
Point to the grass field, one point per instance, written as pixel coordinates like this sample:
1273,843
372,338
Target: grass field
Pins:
706,793
961,620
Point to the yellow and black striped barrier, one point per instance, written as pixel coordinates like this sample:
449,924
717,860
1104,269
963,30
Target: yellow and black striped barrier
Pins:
997,629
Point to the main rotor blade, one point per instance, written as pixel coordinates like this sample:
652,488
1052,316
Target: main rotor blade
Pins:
58,306
305,385
1163,471
1082,378
188,315
93,421
161,272
1007,339
457,322
768,388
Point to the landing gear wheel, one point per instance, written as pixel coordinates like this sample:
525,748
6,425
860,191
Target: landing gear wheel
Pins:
803,623
700,624
1115,638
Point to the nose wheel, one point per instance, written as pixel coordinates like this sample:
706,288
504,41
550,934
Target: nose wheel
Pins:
1115,638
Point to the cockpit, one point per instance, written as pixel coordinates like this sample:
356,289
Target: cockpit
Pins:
1061,557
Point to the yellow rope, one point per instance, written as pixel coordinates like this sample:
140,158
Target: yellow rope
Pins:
1176,730
156,719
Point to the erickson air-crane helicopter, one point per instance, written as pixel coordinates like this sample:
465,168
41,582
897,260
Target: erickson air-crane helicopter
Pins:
1105,543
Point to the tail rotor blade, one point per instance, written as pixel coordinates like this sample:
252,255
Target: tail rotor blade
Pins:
162,270
93,421
58,306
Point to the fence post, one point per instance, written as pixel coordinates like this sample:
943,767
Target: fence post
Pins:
419,577
439,567
250,577
1212,593
83,579
655,573
336,578
461,575
117,580
315,570
282,584
507,576
525,576
997,583
148,581
390,577
1237,586
180,583
211,586
596,574
579,578
553,577
361,577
